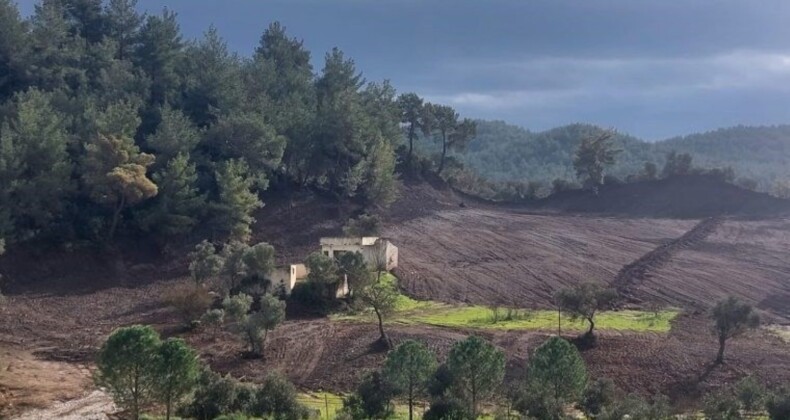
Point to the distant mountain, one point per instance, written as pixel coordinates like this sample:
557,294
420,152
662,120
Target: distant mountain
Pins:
506,152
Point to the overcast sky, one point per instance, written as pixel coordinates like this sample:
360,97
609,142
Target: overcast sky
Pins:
652,68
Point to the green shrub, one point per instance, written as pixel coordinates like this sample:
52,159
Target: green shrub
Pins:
778,406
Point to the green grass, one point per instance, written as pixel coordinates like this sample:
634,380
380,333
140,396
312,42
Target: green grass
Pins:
781,331
410,311
319,401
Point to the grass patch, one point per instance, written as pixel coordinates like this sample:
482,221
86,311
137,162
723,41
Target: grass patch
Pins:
781,331
321,401
411,311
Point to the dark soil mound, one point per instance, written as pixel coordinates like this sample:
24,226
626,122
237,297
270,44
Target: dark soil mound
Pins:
693,196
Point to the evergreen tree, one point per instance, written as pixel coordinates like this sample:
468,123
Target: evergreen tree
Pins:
123,25
412,114
175,135
557,367
125,367
246,136
159,54
86,19
13,50
54,53
237,199
280,81
213,84
409,367
179,205
176,372
592,158
453,134
35,169
115,175
477,368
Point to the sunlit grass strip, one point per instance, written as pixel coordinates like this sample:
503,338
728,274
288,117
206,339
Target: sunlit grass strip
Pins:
320,401
442,315
411,311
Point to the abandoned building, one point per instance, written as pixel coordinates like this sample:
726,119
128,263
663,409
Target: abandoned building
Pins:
376,252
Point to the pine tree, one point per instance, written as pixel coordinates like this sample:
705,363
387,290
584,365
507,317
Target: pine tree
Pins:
179,206
176,134
115,175
54,56
123,25
13,50
237,199
159,53
213,84
35,170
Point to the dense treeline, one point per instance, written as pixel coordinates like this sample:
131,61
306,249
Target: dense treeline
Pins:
111,122
508,153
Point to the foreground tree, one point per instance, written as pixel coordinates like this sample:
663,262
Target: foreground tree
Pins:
254,327
408,368
381,296
584,301
177,371
125,368
478,369
592,158
557,368
732,318
238,198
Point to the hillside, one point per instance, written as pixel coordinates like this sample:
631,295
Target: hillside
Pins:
506,152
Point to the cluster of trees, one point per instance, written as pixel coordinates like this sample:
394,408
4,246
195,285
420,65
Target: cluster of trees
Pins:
502,155
141,371
746,399
111,121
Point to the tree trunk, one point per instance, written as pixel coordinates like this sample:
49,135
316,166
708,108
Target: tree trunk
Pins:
411,401
116,216
592,326
720,356
168,403
383,335
411,146
444,153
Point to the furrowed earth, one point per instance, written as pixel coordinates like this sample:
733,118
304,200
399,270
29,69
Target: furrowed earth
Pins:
61,305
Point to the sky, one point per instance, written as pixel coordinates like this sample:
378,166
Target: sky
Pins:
651,68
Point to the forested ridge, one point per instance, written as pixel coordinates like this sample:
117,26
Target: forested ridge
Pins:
113,122
506,152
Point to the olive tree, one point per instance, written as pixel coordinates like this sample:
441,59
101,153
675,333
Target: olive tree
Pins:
731,318
382,297
478,369
409,368
584,301
204,262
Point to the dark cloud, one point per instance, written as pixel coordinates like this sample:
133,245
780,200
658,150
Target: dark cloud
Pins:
653,68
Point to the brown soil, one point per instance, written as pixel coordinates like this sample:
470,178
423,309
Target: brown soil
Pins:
62,304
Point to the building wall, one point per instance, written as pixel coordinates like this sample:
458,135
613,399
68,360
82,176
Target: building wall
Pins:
288,276
377,250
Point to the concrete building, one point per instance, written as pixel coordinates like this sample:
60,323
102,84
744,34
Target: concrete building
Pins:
374,250
288,276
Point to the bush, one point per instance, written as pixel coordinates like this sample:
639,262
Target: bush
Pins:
538,403
446,409
750,394
216,395
371,399
364,225
637,408
213,318
310,295
597,396
189,301
721,405
276,398
778,406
